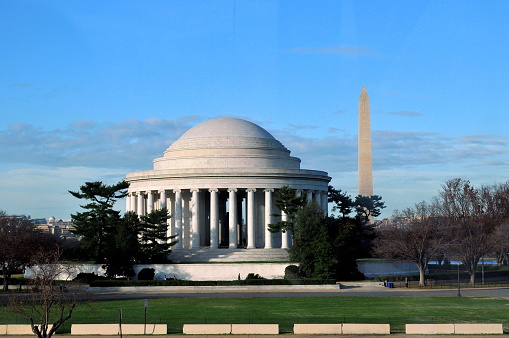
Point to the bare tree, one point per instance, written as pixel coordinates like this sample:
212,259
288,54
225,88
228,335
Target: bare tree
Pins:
472,216
19,241
501,243
47,305
419,238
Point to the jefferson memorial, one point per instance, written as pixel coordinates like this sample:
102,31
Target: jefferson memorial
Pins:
219,181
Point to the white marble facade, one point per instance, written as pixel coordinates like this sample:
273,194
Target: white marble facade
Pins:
219,181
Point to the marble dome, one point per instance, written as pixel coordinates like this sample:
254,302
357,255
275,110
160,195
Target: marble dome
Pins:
226,143
219,181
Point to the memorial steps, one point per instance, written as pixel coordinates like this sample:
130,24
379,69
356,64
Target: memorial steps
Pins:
208,255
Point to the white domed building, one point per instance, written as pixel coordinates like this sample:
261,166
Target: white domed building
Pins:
218,181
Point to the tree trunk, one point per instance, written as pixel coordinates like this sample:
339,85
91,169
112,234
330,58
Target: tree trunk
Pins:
422,281
472,278
6,279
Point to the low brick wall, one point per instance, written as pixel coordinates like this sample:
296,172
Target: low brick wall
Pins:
317,328
144,329
255,329
114,329
478,329
341,329
21,329
97,329
207,329
366,329
454,329
429,328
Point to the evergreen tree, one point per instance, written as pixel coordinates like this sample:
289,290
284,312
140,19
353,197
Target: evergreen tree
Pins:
97,224
328,246
312,246
124,248
155,245
288,202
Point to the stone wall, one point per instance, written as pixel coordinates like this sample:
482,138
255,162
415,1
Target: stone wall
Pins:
197,272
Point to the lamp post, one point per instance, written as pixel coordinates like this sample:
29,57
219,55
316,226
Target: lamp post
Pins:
459,291
482,270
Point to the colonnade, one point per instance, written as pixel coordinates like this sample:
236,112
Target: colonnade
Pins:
212,217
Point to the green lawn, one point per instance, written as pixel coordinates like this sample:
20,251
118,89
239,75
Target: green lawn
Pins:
396,311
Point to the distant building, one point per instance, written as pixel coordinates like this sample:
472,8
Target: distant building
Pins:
392,222
61,228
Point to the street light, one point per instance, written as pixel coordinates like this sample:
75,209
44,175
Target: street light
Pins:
482,268
459,291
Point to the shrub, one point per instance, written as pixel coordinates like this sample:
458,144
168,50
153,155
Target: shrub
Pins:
87,278
146,274
292,272
253,276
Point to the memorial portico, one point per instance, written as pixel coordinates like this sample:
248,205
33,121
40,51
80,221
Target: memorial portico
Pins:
219,181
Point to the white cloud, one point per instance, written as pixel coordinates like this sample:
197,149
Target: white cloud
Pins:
43,191
408,166
130,143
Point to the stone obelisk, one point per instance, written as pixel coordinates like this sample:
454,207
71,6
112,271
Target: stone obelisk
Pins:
364,143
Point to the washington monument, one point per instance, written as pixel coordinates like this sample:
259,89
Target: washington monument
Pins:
365,162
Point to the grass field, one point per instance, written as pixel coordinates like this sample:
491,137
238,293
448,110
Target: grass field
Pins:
396,311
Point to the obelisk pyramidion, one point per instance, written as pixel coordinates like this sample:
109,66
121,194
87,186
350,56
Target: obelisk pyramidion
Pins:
364,143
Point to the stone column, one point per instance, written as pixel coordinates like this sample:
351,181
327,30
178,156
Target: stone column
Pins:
325,203
178,217
232,218
128,202
318,198
268,217
309,196
214,218
284,239
195,226
150,201
251,219
162,198
140,201
133,202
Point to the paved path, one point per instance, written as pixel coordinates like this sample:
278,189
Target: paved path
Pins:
252,292
351,292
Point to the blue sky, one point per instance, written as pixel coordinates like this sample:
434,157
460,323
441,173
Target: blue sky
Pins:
93,90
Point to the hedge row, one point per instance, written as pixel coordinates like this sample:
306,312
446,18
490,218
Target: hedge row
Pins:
106,283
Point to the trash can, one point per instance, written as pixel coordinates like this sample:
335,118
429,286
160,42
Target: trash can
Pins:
389,285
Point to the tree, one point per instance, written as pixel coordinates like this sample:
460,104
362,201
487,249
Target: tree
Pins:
312,246
47,306
501,243
360,227
342,202
155,245
96,225
472,216
290,203
368,207
20,241
138,240
123,248
419,238
326,247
